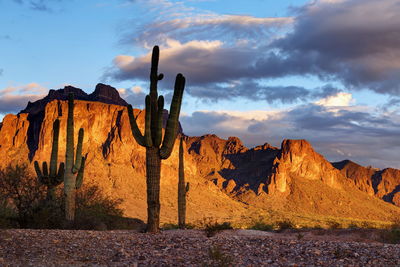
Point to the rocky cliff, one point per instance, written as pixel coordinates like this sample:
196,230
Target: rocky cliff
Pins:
228,180
384,184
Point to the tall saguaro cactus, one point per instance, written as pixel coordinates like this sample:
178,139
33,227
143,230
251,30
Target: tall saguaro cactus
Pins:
182,189
55,177
74,168
157,148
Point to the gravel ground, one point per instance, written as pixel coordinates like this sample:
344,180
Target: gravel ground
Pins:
187,248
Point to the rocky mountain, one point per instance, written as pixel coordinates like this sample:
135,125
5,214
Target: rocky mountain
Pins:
384,184
228,180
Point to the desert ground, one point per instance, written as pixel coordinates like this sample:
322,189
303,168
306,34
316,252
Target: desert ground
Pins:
339,247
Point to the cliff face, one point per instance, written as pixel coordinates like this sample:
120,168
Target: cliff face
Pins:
384,184
228,181
299,158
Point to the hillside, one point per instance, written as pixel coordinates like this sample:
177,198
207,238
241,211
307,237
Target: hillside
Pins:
228,180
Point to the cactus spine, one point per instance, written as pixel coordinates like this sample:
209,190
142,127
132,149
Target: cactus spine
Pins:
182,189
55,177
74,169
157,148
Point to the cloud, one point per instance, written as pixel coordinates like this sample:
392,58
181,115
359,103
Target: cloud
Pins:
228,28
39,5
341,99
14,99
350,42
349,131
134,96
353,41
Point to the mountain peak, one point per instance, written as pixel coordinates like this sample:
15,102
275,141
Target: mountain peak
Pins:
107,94
102,93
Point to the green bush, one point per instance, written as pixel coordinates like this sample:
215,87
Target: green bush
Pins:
391,236
218,258
23,205
212,228
21,193
284,225
262,226
334,225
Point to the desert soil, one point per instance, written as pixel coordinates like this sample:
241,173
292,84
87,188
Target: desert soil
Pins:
192,248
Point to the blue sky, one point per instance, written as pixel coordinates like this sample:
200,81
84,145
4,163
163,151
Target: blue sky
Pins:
263,70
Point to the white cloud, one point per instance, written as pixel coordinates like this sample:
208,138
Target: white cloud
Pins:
341,99
15,98
136,89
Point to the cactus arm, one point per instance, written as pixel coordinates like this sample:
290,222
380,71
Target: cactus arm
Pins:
69,153
78,158
38,171
45,169
158,137
173,118
54,149
60,175
154,78
134,128
147,127
79,177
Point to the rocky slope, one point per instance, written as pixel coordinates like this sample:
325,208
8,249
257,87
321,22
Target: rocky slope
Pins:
384,184
228,180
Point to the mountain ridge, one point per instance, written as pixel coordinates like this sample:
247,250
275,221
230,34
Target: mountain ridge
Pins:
228,180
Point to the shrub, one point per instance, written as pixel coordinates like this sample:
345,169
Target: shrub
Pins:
23,205
333,225
20,192
284,225
6,213
391,236
262,226
211,228
218,258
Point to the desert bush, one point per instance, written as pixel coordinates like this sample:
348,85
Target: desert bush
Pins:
218,258
334,225
20,192
96,211
395,224
262,226
6,213
211,228
284,225
391,236
23,204
172,226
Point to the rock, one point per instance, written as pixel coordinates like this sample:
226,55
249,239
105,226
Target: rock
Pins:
227,179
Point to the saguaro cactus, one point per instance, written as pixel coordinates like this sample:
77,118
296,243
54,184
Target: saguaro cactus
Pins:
55,177
74,169
157,148
182,189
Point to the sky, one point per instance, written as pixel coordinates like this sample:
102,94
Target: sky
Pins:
264,70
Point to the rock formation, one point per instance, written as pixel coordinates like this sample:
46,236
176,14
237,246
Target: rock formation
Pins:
228,181
384,184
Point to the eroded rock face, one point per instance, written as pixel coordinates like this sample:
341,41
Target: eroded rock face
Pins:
384,184
362,177
298,159
227,179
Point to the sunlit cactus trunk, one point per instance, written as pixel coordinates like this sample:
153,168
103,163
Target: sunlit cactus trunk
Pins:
182,189
153,169
157,148
74,168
